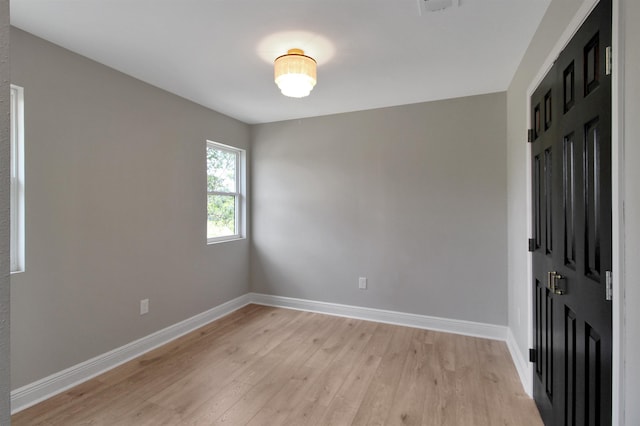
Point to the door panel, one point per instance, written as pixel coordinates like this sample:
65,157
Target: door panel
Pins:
570,369
571,175
543,226
569,200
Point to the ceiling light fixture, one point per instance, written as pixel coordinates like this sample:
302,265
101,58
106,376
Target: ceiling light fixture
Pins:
295,73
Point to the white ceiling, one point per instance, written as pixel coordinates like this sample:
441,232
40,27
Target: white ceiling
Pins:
370,54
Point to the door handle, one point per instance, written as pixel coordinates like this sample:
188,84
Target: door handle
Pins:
556,283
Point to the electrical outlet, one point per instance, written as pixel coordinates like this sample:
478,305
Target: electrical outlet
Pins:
144,306
362,283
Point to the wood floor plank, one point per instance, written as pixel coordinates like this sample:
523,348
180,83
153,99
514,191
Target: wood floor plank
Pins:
281,405
320,389
407,406
256,370
274,381
232,360
378,398
61,403
146,414
345,405
497,376
439,399
270,366
293,353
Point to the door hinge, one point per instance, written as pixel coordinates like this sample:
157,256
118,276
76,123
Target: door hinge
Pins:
532,244
609,60
609,285
530,135
532,355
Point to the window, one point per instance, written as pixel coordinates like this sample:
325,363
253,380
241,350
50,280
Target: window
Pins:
17,180
225,189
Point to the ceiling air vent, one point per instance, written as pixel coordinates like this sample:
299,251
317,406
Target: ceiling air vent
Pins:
436,5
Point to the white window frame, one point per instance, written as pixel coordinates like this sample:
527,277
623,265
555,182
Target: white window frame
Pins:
239,193
17,233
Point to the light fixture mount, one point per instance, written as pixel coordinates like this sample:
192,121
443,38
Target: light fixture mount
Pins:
426,6
295,73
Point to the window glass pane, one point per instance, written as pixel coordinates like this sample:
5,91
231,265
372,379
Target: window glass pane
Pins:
221,215
221,170
13,235
16,203
13,133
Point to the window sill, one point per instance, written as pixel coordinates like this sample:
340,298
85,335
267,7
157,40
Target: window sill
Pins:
219,240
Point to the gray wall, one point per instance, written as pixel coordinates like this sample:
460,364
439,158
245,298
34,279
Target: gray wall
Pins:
555,21
631,374
115,211
412,197
5,384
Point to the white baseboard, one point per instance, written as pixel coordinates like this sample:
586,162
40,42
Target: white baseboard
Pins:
47,387
522,365
467,328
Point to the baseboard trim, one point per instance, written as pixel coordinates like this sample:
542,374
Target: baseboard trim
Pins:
522,365
54,384
467,328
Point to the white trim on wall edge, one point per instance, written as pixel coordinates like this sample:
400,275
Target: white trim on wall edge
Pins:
467,328
523,367
56,383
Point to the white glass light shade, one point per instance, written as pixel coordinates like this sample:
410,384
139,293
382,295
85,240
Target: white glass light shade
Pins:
295,73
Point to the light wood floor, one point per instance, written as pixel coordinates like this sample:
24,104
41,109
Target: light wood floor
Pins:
270,366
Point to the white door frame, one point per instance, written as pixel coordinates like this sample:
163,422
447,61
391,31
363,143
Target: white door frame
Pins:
617,197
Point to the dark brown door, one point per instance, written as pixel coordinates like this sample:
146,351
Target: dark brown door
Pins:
571,174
